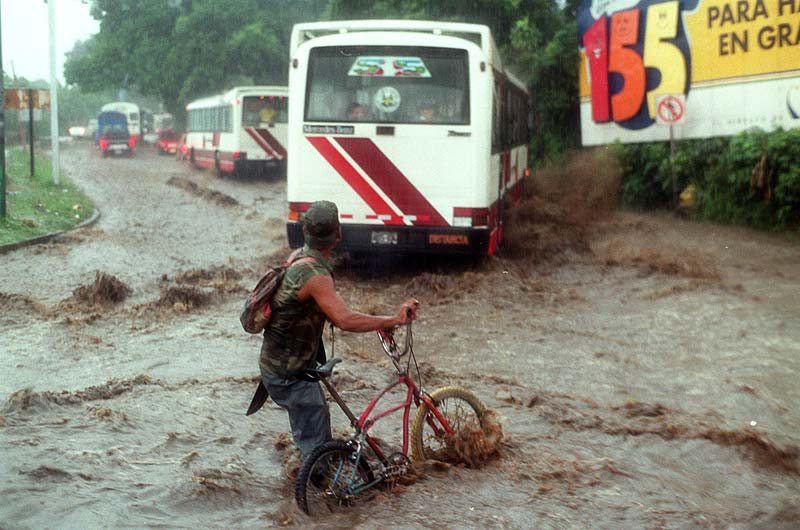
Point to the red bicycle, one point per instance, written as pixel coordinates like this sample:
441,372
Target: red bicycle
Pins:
336,473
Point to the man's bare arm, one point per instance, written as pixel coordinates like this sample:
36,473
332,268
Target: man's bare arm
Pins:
320,288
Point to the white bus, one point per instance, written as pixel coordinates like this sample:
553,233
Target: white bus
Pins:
414,129
132,114
240,132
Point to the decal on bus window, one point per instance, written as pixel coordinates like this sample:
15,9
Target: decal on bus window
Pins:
389,67
386,99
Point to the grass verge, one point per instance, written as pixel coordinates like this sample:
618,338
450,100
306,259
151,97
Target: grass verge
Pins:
34,205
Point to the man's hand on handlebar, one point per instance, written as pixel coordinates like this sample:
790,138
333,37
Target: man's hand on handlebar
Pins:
407,311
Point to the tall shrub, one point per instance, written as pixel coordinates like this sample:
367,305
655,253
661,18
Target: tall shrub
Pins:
752,178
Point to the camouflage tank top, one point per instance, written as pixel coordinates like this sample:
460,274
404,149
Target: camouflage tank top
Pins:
295,330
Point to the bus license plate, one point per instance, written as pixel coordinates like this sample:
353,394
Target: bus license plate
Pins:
384,238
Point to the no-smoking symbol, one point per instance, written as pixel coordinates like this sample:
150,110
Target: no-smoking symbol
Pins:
671,109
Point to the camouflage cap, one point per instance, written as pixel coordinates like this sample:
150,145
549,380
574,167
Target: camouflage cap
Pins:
321,224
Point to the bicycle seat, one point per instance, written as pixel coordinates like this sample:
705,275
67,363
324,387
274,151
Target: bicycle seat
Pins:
326,369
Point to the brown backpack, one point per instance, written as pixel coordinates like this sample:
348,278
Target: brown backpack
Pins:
257,309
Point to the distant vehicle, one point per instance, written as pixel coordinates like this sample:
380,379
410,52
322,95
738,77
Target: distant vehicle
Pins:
240,132
132,115
437,151
149,135
112,136
91,128
167,142
162,121
77,131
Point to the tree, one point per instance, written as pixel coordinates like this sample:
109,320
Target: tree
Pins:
178,51
131,50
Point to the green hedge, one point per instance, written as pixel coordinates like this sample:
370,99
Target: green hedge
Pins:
752,178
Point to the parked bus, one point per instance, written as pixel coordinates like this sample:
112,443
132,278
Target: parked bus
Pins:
240,132
414,129
132,114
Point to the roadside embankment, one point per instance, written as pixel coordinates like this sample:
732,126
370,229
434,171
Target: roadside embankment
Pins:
36,207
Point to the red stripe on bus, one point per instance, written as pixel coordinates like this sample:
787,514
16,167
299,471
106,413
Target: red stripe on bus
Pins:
351,176
272,141
390,179
260,141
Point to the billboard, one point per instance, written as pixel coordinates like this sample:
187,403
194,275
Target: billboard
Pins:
20,98
732,64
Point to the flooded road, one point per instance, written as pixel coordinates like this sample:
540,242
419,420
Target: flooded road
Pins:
648,381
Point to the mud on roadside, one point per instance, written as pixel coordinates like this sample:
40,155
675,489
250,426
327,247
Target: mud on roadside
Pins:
216,197
189,290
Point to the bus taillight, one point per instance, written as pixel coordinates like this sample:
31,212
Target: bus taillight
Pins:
132,143
297,208
470,217
103,144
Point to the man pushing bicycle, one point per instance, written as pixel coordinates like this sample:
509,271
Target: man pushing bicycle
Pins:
293,337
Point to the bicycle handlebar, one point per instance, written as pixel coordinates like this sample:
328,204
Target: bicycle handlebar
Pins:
390,346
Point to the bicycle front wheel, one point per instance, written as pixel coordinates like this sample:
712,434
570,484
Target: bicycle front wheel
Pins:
464,413
331,478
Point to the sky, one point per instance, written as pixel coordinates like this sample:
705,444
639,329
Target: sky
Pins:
25,35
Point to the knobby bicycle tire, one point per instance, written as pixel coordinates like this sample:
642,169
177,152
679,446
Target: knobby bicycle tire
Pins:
420,447
317,467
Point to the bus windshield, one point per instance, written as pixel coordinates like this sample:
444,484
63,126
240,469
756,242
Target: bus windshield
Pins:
266,110
388,84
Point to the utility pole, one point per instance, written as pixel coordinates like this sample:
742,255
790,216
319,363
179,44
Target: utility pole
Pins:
2,133
30,128
51,9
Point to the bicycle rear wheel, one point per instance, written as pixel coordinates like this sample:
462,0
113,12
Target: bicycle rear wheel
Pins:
331,478
462,410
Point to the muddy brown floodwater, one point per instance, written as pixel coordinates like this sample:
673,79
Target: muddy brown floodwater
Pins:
645,378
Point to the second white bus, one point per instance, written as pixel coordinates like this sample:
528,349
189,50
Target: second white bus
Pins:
414,129
240,132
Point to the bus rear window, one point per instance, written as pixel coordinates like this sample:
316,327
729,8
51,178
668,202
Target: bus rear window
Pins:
264,110
388,84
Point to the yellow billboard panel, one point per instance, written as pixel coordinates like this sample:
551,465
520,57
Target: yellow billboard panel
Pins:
636,51
734,39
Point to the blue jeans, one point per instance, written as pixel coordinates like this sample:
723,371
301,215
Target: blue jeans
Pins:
309,416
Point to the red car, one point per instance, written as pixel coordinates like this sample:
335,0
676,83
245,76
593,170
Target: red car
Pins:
167,142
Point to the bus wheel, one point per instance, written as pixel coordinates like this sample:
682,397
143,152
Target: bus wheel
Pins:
217,169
